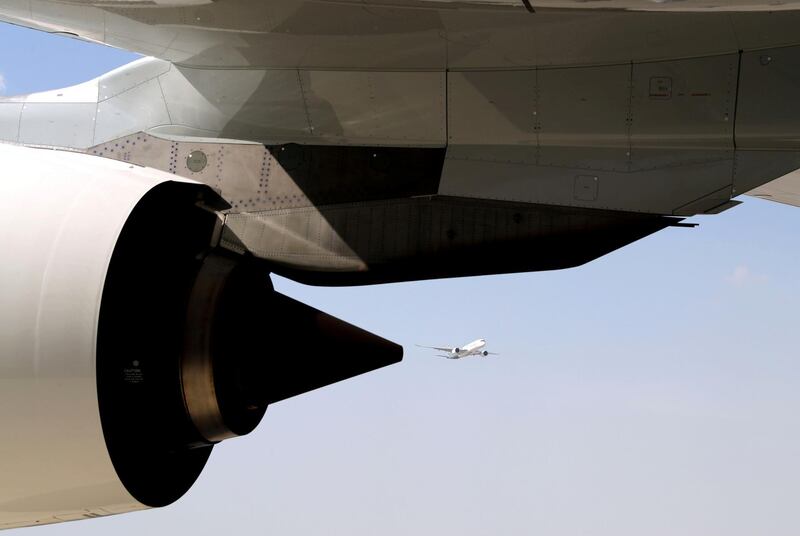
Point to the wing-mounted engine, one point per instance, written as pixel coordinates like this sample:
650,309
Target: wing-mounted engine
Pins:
128,345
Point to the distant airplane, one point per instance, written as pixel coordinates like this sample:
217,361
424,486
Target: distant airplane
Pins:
475,347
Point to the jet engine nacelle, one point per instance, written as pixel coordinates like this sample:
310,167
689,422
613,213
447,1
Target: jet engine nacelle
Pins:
129,346
456,350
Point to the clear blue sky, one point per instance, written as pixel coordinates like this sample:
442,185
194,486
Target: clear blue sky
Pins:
655,391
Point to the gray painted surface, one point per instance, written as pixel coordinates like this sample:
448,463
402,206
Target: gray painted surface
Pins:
429,237
658,137
413,35
640,112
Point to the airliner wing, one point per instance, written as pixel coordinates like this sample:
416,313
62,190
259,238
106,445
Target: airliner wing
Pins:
441,349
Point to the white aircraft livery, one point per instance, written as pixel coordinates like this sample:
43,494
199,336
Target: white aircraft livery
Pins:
333,142
474,348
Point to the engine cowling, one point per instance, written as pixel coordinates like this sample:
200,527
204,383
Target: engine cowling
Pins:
129,346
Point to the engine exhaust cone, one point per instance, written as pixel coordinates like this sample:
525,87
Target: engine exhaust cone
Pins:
247,346
314,349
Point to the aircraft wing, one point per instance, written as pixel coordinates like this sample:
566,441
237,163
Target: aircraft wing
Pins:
440,348
784,190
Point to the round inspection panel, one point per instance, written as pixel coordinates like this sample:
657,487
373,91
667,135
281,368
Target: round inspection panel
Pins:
196,161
